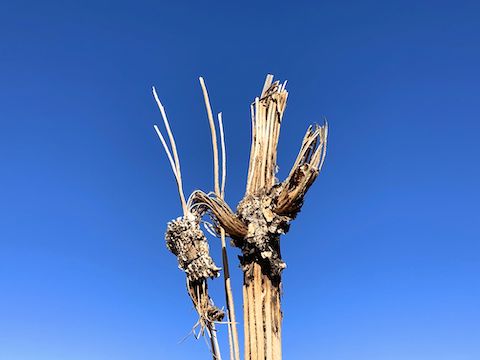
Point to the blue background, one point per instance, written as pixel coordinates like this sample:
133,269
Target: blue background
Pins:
383,261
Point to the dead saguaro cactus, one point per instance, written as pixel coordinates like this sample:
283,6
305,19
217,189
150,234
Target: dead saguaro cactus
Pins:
261,217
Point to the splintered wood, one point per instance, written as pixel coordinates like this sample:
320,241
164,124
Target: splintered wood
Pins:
267,112
262,316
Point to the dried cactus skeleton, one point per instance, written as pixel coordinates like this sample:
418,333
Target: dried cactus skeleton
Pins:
261,217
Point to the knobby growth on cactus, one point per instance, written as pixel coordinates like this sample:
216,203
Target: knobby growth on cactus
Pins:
261,217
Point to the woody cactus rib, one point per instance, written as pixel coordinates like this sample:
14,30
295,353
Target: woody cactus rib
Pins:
266,210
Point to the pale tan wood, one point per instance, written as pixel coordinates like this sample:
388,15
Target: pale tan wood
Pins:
267,301
265,166
252,149
214,342
278,327
251,321
266,85
275,340
229,297
246,328
259,319
213,134
220,191
263,328
175,162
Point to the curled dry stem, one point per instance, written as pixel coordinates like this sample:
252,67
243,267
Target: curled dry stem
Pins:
221,212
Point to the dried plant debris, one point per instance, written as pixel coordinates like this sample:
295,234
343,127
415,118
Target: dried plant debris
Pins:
188,243
207,311
289,198
219,212
262,242
214,313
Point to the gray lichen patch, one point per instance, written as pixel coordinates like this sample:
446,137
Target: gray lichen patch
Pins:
188,243
262,243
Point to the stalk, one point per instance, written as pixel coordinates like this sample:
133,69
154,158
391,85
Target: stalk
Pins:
220,192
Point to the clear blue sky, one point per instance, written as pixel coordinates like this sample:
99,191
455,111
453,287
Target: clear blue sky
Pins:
383,261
